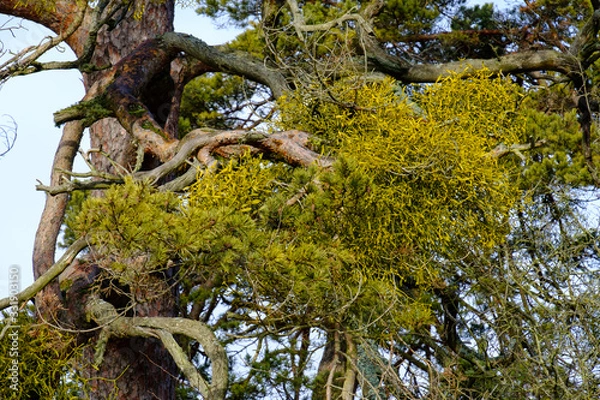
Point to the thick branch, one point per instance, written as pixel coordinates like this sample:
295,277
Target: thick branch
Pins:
229,63
402,70
184,364
134,73
546,60
202,334
75,23
43,281
54,208
88,112
528,61
137,71
106,316
57,17
291,146
25,62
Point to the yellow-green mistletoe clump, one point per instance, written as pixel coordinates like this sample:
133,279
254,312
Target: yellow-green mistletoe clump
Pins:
38,357
416,184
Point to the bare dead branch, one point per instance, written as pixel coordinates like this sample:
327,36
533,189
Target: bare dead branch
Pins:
301,26
25,62
72,186
8,134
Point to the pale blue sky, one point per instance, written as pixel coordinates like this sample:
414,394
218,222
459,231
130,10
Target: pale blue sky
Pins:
31,101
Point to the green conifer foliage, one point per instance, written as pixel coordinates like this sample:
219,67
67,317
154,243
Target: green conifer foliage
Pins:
361,247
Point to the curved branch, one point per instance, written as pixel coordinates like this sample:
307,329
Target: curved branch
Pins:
290,146
527,61
8,135
58,16
184,364
301,26
382,61
134,73
55,206
105,315
202,334
25,62
228,63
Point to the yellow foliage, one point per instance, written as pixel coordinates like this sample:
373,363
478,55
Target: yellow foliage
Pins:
40,358
427,190
415,188
241,184
294,265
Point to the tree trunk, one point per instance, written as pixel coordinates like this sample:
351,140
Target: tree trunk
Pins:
134,368
112,46
139,368
336,377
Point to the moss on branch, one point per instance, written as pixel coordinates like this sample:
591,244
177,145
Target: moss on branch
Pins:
88,112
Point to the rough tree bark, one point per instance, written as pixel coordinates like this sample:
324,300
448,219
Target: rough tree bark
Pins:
141,368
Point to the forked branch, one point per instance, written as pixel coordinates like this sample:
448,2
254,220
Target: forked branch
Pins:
163,328
26,61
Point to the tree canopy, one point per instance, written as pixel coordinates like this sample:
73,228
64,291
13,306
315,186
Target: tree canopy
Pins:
375,200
